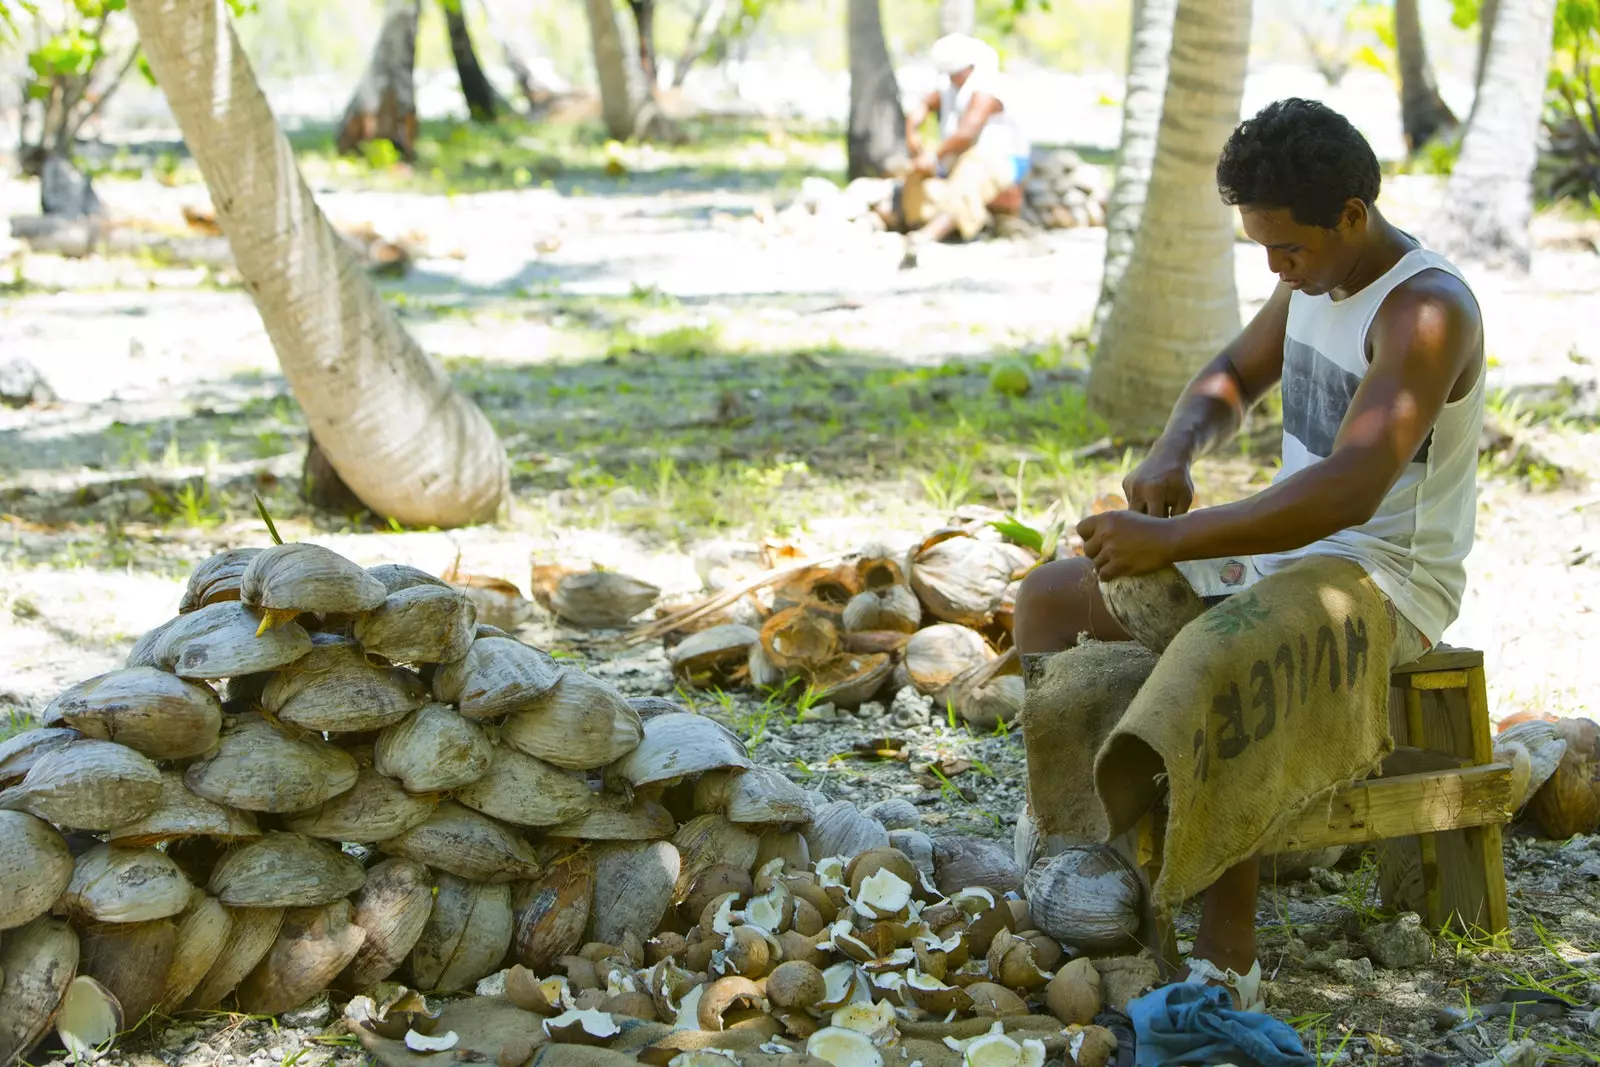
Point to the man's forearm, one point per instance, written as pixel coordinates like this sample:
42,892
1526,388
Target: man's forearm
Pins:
1332,495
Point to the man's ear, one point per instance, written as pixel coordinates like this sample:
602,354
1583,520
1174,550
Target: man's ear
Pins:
1355,214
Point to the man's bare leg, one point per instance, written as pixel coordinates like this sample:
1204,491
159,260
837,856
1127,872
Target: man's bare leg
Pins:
1058,603
937,229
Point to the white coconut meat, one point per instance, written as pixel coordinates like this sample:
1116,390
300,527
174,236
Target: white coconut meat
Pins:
705,1057
688,1017
431,1042
974,900
830,871
845,984
877,1021
883,894
766,911
596,1024
843,1048
998,1050
89,1019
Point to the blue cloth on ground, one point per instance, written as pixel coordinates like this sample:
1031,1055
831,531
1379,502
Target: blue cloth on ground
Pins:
1194,1023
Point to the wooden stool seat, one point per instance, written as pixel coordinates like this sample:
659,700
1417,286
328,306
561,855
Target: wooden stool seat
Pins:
1435,810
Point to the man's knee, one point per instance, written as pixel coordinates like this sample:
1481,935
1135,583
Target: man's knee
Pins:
1053,605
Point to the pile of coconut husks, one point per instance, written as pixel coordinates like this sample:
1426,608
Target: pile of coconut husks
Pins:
319,777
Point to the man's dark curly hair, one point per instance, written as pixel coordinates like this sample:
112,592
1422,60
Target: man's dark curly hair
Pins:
1301,155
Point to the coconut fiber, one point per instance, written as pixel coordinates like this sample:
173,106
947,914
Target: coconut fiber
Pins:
1259,708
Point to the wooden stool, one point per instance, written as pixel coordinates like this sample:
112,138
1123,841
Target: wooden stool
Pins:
1435,809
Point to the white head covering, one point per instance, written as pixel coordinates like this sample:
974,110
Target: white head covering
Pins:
956,52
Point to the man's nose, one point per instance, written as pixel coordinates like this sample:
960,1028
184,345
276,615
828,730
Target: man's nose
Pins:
1276,261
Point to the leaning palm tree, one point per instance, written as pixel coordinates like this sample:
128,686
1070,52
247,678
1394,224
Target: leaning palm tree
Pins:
1423,113
396,430
1176,304
1488,203
1148,48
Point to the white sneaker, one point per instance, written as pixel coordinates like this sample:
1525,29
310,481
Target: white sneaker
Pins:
1247,987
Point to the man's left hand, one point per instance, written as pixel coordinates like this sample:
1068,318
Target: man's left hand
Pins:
1126,543
927,164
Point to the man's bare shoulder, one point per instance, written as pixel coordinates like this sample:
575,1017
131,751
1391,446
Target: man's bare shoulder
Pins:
1432,315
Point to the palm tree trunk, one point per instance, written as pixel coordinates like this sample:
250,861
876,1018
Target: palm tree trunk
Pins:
627,106
1488,203
1176,305
386,415
1423,113
877,133
384,103
483,103
1148,47
707,18
1488,15
644,21
958,16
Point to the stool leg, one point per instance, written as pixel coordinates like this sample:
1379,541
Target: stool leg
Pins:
1156,930
1432,889
1485,842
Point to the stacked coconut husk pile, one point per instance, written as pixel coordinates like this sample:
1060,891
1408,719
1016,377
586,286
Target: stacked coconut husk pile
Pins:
936,618
1062,192
319,776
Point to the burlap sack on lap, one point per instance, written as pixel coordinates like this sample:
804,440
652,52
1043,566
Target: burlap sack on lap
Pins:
1259,708
1074,700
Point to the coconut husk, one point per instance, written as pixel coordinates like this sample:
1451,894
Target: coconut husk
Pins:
18,754
961,579
131,960
990,693
614,818
250,937
938,655
149,710
678,744
839,829
202,934
35,867
524,791
124,885
376,808
971,862
392,907
397,576
293,579
466,936
1569,801
634,884
825,589
217,579
869,642
434,750
468,845
182,813
800,640
707,840
758,795
552,912
1087,897
598,599
851,679
312,947
423,624
499,602
222,640
498,676
335,689
87,785
889,607
1153,607
581,723
878,566
713,657
285,871
257,766
37,961
88,1020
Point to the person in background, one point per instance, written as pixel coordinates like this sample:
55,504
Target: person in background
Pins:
982,155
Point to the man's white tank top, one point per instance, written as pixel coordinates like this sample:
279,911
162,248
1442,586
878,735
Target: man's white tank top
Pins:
1415,545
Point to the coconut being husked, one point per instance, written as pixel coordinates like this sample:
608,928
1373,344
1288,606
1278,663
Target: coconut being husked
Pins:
335,689
961,579
261,767
601,598
937,655
434,750
37,961
376,808
18,754
392,907
285,871
35,866
223,640
466,935
525,791
634,883
497,676
1087,897
217,579
287,580
149,710
468,845
183,813
87,785
125,885
423,624
1153,607
581,723
313,946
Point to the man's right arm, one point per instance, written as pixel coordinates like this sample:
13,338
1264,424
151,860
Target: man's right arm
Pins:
928,105
1210,411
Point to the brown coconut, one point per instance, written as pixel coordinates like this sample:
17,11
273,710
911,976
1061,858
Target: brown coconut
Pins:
967,862
250,937
468,845
713,657
131,960
1153,607
258,766
312,947
202,934
851,679
707,840
392,907
990,694
634,883
551,913
184,813
1569,802
1074,993
87,785
18,754
580,723
35,867
217,579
